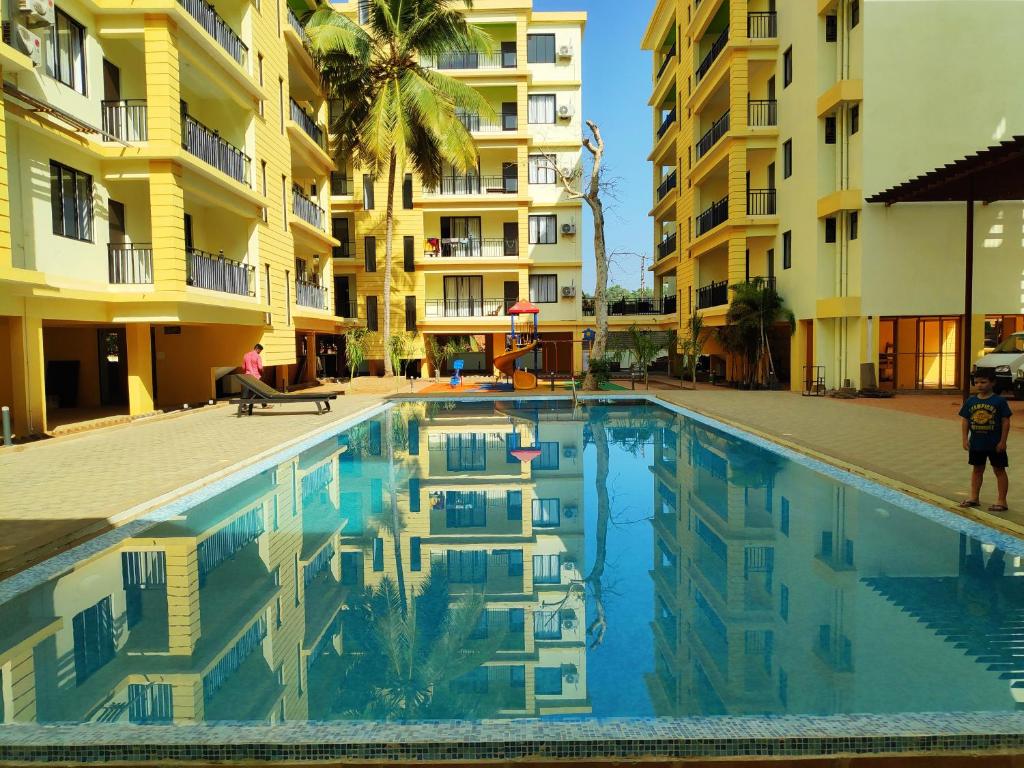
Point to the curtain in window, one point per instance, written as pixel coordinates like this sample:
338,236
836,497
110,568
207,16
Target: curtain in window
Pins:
543,288
542,229
542,169
547,625
541,108
545,569
546,512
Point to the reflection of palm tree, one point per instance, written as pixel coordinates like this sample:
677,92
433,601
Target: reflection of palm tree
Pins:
395,524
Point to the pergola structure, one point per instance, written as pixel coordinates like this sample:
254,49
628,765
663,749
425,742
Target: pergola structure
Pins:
991,175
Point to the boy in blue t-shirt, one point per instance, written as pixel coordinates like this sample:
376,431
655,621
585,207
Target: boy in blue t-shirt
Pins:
986,425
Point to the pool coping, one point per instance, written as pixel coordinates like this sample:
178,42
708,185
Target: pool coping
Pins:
563,739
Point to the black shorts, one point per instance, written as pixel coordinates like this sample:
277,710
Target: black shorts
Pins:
998,459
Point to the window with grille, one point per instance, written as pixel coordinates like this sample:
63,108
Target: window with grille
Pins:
371,313
370,253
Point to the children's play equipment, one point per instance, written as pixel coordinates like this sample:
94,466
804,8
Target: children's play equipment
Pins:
457,367
520,342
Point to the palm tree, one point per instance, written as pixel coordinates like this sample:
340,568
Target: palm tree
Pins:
397,113
755,308
693,344
645,348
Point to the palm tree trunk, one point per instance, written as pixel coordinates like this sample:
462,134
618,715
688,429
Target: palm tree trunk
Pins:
396,522
389,248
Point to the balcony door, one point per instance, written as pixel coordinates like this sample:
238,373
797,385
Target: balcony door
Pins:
460,236
463,295
115,218
343,305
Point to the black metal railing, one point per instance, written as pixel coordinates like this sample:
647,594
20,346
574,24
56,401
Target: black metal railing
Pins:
307,123
762,112
467,307
348,309
217,28
762,24
667,246
713,295
208,146
666,122
762,282
341,184
216,273
667,185
310,295
713,135
125,119
476,185
297,26
306,209
346,250
484,248
760,202
477,124
669,55
623,307
473,60
130,263
715,214
713,53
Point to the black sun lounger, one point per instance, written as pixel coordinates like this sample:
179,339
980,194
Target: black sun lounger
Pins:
255,391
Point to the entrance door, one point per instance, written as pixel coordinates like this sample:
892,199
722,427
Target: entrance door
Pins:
511,294
510,231
508,55
887,353
113,366
938,347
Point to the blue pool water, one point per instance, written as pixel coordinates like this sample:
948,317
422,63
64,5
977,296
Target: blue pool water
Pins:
420,565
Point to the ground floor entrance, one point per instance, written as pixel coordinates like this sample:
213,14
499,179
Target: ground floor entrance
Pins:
919,353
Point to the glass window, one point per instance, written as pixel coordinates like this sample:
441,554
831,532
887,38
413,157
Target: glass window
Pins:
830,229
787,250
854,221
830,130
514,505
93,633
540,49
787,159
71,202
542,169
831,29
547,625
854,13
547,681
854,119
546,569
540,108
544,229
65,51
548,458
378,554
546,513
543,289
787,67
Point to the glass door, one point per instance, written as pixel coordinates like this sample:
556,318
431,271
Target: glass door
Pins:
463,295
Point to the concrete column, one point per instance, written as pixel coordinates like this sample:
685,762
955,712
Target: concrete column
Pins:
5,208
183,618
28,369
167,210
140,368
309,372
23,687
163,87
187,699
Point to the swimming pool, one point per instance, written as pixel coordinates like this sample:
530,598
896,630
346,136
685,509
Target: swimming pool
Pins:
511,572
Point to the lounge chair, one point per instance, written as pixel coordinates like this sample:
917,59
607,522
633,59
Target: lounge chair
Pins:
255,391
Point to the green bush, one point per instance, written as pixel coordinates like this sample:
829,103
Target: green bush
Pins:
601,370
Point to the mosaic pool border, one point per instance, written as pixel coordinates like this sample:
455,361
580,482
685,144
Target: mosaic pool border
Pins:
564,739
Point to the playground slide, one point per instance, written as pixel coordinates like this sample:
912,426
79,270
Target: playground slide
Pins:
506,363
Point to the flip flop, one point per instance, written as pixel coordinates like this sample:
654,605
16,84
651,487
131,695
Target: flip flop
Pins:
998,508
970,503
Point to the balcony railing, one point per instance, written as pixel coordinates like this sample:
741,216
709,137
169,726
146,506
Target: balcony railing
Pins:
307,210
623,307
762,113
713,295
346,250
767,283
762,25
476,124
669,55
209,147
483,248
760,202
473,60
307,123
467,307
667,185
216,273
713,53
714,215
341,184
310,295
217,28
299,29
667,246
130,263
125,119
476,185
713,135
667,122
347,309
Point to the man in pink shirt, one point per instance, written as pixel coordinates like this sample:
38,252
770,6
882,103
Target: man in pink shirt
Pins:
252,364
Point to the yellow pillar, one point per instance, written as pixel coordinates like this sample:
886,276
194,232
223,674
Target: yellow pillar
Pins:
23,688
140,368
5,208
309,374
183,625
187,700
167,211
28,369
163,87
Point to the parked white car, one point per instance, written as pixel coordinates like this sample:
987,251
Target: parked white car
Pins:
1006,363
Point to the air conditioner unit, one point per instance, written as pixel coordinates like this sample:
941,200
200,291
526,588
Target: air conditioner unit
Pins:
570,510
569,452
565,111
570,673
568,291
28,42
569,229
566,172
569,565
36,13
565,51
568,619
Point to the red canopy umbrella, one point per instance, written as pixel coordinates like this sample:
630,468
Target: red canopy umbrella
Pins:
523,308
526,455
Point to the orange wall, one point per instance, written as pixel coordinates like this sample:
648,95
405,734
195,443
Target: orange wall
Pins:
77,344
186,362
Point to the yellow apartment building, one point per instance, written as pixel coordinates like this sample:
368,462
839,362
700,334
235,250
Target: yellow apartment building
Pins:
773,120
469,249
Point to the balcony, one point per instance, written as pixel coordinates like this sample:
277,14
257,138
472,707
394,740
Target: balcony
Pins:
346,309
624,307
667,185
473,60
130,263
299,29
716,214
216,273
760,202
475,185
667,122
467,307
762,25
667,246
341,184
307,123
762,113
307,210
669,55
310,295
475,124
713,135
472,248
709,58
346,250
217,28
209,147
713,295
125,119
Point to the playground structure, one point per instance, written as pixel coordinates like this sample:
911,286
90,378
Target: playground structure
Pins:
521,341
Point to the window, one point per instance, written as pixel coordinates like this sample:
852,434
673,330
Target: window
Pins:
547,625
65,52
830,130
288,297
548,458
544,229
547,681
787,250
787,67
547,513
784,602
266,280
415,554
830,229
466,453
546,569
93,633
284,202
259,64
378,554
280,100
150,703
540,49
263,177
542,169
410,314
543,289
540,108
407,192
784,517
367,192
854,13
409,253
787,159
854,221
514,505
831,29
370,253
71,202
854,119
371,313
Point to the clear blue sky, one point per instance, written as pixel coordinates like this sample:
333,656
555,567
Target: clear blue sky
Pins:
616,86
